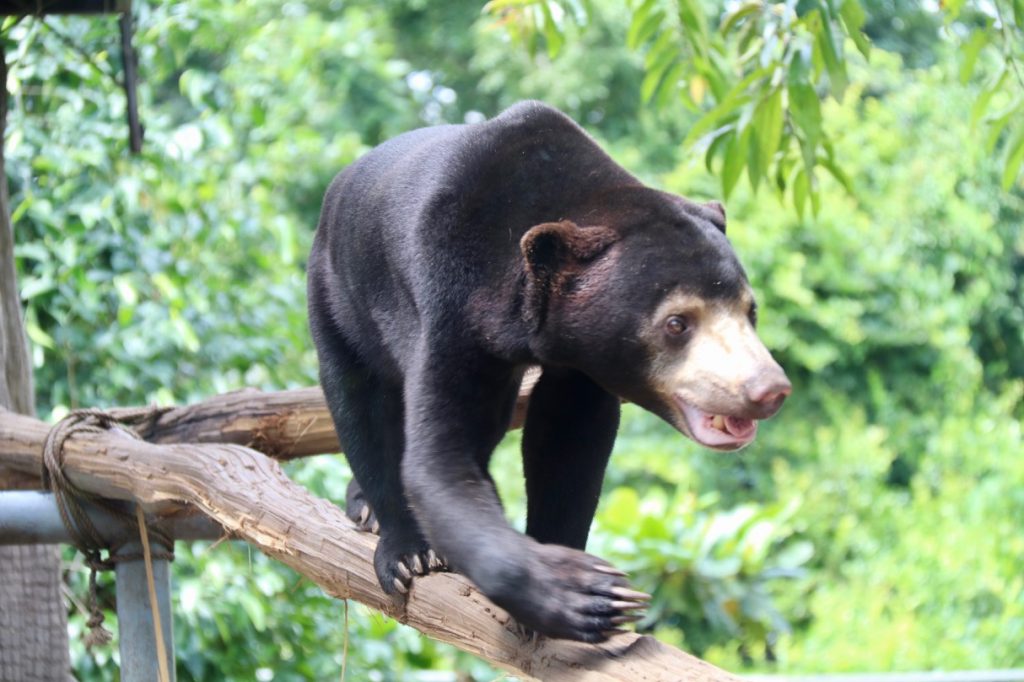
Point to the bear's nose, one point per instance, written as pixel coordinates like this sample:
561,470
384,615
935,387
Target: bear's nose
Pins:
768,390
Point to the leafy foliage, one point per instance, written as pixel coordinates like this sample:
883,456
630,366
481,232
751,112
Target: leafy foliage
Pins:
757,69
711,573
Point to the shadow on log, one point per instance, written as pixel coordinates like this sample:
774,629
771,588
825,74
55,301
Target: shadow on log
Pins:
251,497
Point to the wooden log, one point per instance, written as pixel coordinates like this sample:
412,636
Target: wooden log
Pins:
250,496
282,424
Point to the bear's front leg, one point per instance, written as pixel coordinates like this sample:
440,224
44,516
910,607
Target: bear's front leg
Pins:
567,438
454,419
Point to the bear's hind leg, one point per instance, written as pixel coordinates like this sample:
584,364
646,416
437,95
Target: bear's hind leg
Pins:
368,415
358,509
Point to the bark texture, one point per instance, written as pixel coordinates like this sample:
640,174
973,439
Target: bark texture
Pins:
33,621
250,496
282,424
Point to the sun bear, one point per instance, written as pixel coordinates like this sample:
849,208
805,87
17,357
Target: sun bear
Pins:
450,259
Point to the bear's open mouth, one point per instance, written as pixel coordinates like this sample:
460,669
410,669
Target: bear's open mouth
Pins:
719,431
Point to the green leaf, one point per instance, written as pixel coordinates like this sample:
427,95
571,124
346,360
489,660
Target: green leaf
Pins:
653,79
19,211
828,162
853,18
980,106
669,85
800,192
647,19
740,13
186,335
1014,159
715,139
768,121
805,111
732,167
125,290
736,98
812,192
165,285
970,51
996,127
37,335
834,63
755,164
766,133
36,286
663,52
552,31
794,555
691,16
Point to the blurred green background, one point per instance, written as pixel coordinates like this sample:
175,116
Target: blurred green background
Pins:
874,526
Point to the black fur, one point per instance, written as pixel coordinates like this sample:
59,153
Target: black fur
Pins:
428,298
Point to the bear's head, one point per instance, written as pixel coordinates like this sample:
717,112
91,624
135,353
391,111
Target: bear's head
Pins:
643,293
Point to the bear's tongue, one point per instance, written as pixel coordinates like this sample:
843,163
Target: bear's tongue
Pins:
717,431
734,426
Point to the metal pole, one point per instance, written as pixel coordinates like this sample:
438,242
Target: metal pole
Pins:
136,634
30,517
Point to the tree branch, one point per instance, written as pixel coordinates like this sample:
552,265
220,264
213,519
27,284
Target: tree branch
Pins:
283,424
250,496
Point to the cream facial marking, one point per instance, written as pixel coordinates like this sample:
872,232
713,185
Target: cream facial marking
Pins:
722,379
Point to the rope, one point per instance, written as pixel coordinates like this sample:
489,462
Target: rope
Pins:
69,497
154,605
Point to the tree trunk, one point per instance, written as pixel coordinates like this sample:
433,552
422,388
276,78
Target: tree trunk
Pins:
33,620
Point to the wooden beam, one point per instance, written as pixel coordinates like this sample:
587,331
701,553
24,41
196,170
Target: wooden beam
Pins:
250,496
282,424
38,8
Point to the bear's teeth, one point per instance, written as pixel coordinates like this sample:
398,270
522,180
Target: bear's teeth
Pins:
718,421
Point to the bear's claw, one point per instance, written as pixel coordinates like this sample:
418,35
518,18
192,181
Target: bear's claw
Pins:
358,509
631,595
399,560
572,595
610,570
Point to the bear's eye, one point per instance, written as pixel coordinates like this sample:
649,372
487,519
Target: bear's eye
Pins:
752,315
677,325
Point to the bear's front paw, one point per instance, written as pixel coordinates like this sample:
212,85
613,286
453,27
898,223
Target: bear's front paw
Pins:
398,559
573,595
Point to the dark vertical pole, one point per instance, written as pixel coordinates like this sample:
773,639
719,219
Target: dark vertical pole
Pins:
128,56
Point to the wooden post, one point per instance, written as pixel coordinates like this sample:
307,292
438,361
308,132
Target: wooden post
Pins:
33,621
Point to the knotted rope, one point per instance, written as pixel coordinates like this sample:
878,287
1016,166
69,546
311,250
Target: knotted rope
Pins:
69,497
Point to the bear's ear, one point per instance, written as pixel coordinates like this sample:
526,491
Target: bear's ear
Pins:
717,214
550,247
